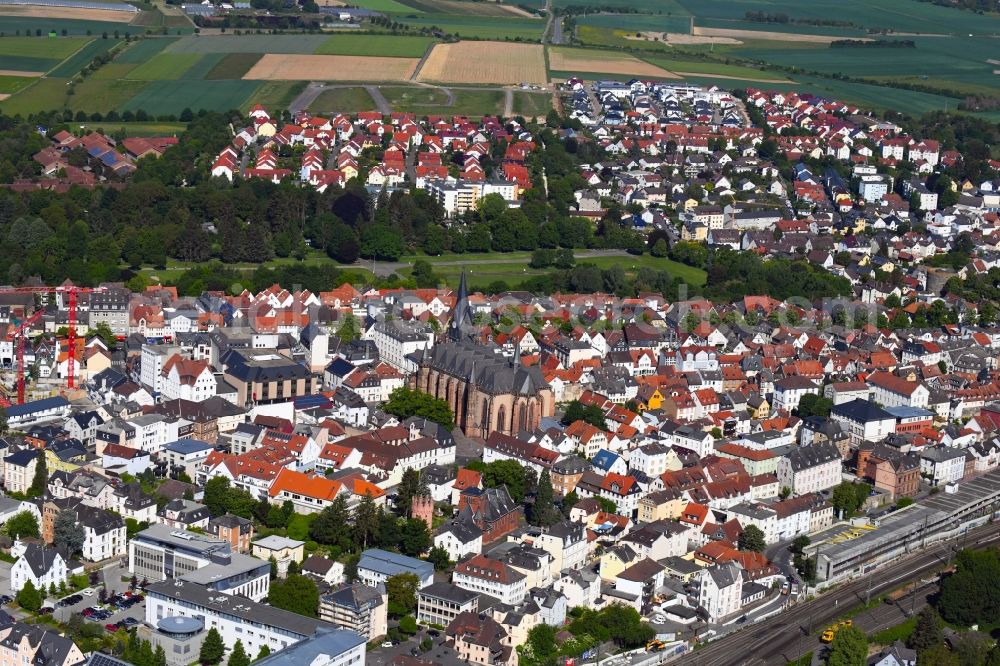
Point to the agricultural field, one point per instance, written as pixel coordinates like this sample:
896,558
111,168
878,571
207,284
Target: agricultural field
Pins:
349,99
605,62
249,44
137,128
164,66
72,65
896,15
673,7
27,25
685,68
172,97
231,65
274,94
465,7
632,23
76,13
103,95
525,29
144,49
485,63
387,6
376,45
283,67
12,84
37,54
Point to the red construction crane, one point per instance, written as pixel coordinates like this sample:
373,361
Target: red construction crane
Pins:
21,334
71,291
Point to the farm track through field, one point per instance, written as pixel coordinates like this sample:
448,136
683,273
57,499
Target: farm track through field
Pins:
423,60
381,103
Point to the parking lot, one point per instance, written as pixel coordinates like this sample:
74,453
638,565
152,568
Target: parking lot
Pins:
136,612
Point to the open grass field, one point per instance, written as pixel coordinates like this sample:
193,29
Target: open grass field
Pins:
164,67
138,129
144,49
248,44
27,25
343,100
77,13
231,65
465,7
512,267
897,15
531,105
376,45
274,94
527,29
469,102
172,97
285,67
83,57
485,63
415,98
11,84
387,6
606,62
435,101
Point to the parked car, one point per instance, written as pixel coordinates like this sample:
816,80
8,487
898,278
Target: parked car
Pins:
89,592
112,627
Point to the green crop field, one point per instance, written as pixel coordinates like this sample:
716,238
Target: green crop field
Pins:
274,95
144,49
673,7
679,22
164,66
531,105
232,65
461,7
27,25
898,15
172,97
49,48
11,84
42,95
248,44
376,45
204,66
387,6
138,129
350,99
103,95
480,27
709,68
72,65
113,70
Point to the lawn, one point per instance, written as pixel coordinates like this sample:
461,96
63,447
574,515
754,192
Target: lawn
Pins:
43,95
376,45
479,27
11,84
232,65
72,65
249,44
172,97
531,105
144,49
344,100
275,94
164,67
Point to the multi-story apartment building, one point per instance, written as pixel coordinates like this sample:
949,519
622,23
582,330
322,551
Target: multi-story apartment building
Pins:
441,603
111,307
22,644
810,469
397,340
358,608
483,575
264,376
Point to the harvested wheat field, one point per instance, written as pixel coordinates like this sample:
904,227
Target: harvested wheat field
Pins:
61,12
603,62
18,72
485,62
297,67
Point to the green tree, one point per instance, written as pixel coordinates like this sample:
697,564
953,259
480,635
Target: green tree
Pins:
438,556
849,648
366,521
423,274
937,655
408,487
927,631
264,652
752,539
41,479
212,649
540,649
402,592
968,595
543,511
238,657
22,524
296,593
332,524
405,402
29,598
577,411
408,625
349,328
68,533
216,494
813,404
273,562
415,538
160,656
800,543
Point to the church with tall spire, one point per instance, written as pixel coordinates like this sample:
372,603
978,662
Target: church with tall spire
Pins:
486,390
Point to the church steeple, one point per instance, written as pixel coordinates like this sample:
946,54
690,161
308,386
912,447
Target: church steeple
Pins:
461,316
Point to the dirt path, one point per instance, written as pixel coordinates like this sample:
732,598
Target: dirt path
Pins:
422,62
508,102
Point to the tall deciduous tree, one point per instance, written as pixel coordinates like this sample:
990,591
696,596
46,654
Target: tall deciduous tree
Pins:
402,592
849,647
22,524
212,649
68,533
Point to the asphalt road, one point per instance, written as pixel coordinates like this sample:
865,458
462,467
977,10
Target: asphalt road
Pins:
789,635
